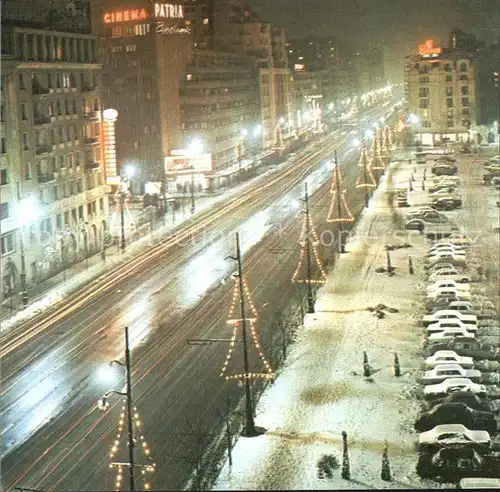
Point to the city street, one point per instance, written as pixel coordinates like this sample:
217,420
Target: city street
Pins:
53,369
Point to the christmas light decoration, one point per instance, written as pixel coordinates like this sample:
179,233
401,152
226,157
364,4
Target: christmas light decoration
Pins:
379,137
139,438
365,178
313,242
388,137
278,137
339,195
236,322
376,161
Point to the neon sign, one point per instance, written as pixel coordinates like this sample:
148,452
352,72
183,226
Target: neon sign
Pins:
168,11
428,48
125,16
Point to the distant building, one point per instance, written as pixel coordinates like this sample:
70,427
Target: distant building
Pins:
50,151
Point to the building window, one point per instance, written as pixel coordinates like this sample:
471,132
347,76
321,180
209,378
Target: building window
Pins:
449,91
447,67
21,82
205,21
130,48
449,102
465,101
464,90
424,80
449,78
2,145
424,103
4,210
465,111
464,76
7,243
59,222
2,113
66,80
25,141
423,91
466,123
4,177
463,67
27,171
449,123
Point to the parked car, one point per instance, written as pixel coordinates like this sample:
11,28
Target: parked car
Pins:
450,333
444,170
470,399
449,314
431,255
479,483
448,357
467,346
446,244
447,256
440,231
439,303
460,239
443,186
448,284
456,412
445,371
445,324
454,384
415,225
459,294
446,204
453,436
451,464
442,265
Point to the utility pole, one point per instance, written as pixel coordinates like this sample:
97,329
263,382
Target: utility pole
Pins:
164,186
249,430
22,277
122,221
129,412
365,175
310,296
193,205
339,208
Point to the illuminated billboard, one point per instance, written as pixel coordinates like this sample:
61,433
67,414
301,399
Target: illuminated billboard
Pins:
186,164
428,48
161,11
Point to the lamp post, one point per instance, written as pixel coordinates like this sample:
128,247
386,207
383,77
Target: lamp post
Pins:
103,404
27,212
195,149
124,190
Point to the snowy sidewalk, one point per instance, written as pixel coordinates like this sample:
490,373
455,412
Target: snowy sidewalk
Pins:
321,390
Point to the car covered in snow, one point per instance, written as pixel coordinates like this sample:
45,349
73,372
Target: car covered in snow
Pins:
445,371
454,384
448,284
445,324
460,239
451,464
467,346
456,412
446,256
468,319
452,436
459,294
448,357
447,273
470,399
450,333
447,251
445,245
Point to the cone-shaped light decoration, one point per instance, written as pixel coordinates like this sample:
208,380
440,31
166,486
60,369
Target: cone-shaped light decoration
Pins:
388,136
365,177
299,276
377,162
235,320
339,209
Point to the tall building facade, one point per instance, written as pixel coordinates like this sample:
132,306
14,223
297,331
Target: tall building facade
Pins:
50,152
442,92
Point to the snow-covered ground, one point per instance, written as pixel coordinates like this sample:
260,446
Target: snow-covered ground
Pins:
321,391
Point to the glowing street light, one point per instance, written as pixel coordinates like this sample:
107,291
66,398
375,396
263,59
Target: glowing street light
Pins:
413,118
244,132
257,130
130,170
196,147
356,143
28,211
369,134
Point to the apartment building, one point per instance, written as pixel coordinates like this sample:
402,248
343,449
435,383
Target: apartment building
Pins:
50,151
442,93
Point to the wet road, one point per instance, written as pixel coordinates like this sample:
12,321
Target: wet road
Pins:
54,437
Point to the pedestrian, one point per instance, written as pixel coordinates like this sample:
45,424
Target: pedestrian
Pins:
421,227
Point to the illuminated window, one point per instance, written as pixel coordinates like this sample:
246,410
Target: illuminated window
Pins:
205,20
130,48
189,76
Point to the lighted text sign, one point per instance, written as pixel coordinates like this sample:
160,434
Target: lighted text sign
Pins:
125,16
428,48
168,11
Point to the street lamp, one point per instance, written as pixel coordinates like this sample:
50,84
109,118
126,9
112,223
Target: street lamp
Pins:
195,149
28,211
129,171
103,404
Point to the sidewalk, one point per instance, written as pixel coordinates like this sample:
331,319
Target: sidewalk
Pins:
60,286
321,390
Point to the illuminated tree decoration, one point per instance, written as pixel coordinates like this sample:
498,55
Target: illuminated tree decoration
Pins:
278,137
342,213
365,178
313,242
235,320
388,137
380,137
376,162
150,467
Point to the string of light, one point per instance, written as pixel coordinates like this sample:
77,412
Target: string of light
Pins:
363,181
303,248
115,448
334,209
236,322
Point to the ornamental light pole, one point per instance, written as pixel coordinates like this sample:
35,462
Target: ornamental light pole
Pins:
28,211
195,149
124,191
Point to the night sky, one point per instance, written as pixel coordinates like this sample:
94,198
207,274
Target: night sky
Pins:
396,25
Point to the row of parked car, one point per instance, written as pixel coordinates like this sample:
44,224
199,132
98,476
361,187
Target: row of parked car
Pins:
458,426
491,175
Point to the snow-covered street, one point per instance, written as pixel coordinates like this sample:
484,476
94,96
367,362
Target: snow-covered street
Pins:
321,391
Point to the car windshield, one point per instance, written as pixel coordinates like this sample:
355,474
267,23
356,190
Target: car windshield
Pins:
453,436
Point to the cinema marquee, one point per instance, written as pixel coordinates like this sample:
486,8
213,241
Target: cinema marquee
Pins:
161,11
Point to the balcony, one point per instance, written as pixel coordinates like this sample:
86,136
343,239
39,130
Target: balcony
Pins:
46,177
89,88
41,120
91,140
43,149
91,114
38,90
92,166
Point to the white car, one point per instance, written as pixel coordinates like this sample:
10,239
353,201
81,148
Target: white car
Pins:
454,435
459,294
454,384
450,334
431,255
445,371
439,246
459,239
448,357
445,256
448,284
449,274
468,319
444,324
